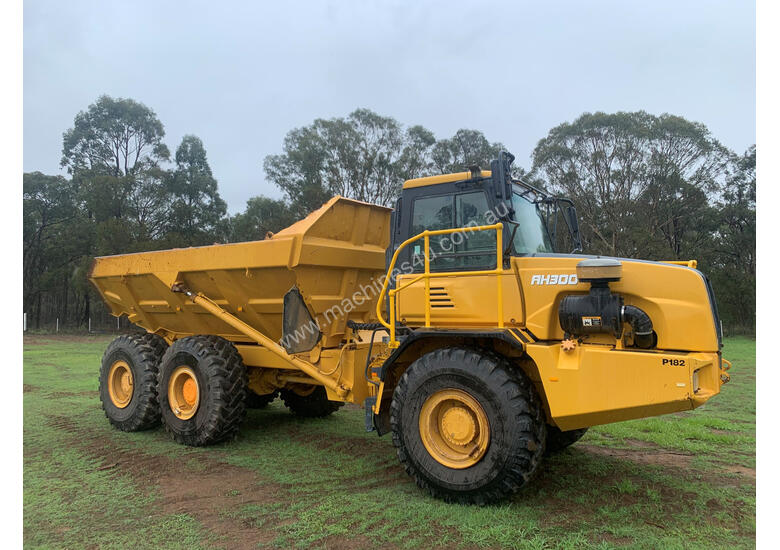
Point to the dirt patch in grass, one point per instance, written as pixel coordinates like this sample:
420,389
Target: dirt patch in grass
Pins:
208,495
206,492
30,388
741,470
643,455
647,453
211,491
353,446
88,393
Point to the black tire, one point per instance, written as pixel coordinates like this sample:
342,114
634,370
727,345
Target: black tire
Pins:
222,381
313,405
558,440
255,401
142,353
514,414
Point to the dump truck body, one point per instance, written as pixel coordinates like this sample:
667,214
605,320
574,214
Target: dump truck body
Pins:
318,266
453,320
328,257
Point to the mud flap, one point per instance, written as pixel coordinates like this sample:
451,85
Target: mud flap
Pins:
300,331
377,422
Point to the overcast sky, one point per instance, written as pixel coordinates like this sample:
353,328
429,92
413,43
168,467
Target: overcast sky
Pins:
241,74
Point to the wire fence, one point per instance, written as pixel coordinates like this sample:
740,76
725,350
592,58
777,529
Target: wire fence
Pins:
98,321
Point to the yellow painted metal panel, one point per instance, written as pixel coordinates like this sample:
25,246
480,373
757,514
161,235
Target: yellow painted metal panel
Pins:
675,298
598,384
462,301
347,365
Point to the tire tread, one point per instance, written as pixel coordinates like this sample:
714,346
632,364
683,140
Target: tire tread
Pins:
226,375
146,350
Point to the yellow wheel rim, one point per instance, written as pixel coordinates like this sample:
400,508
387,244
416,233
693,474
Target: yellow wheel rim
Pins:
183,392
120,384
454,428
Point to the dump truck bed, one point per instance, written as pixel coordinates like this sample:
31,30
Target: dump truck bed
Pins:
330,255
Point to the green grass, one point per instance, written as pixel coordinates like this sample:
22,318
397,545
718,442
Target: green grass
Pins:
326,483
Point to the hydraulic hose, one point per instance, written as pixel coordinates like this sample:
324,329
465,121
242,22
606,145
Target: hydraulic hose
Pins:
641,324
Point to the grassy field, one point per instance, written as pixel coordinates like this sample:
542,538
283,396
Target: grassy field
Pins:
678,481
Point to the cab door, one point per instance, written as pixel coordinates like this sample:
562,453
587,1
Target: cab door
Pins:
456,300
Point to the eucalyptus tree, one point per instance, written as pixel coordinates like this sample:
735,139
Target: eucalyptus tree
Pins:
643,184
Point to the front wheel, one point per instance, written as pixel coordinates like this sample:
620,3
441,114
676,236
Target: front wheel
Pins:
202,387
467,426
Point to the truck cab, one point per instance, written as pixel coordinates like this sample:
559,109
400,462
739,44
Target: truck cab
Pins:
478,197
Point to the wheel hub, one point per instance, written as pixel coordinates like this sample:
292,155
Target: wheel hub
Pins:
454,428
458,425
183,392
190,391
120,384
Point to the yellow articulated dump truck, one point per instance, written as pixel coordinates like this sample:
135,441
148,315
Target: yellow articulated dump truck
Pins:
464,320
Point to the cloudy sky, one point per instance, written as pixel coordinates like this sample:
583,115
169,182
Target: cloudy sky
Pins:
241,74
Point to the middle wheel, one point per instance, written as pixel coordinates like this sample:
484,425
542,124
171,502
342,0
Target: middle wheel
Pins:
202,390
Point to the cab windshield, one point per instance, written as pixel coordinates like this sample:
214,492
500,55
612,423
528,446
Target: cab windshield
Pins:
531,234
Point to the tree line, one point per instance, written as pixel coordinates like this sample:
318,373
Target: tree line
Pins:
645,186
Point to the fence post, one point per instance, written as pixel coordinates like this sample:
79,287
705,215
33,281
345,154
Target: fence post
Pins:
89,325
25,322
117,323
58,324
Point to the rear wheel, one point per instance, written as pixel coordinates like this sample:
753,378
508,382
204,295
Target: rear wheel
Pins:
558,440
467,426
309,401
128,381
202,386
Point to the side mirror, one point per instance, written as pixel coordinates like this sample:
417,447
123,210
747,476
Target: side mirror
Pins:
500,174
570,215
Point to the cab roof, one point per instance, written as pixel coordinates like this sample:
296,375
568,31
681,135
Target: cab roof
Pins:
443,178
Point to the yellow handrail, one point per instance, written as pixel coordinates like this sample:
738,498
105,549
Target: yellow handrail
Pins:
427,275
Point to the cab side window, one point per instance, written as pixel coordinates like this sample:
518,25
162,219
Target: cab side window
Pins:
432,213
462,250
478,248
